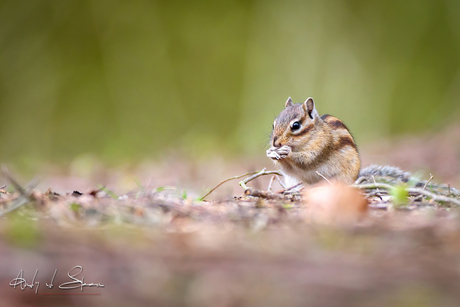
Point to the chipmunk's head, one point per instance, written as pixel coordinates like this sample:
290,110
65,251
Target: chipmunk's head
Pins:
294,124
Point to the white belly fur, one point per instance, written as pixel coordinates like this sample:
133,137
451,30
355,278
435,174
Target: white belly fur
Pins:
293,176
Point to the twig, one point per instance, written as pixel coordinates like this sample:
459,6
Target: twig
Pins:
232,178
433,196
431,178
373,178
263,194
293,187
321,175
13,182
377,193
270,184
3,186
226,180
16,203
420,197
24,196
373,186
267,194
280,182
257,175
360,180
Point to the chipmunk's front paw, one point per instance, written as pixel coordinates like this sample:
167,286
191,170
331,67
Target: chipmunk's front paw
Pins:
278,153
272,154
284,151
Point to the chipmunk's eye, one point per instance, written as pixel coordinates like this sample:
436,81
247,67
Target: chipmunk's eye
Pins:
295,126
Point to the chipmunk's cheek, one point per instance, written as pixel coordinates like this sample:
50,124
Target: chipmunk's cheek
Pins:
293,143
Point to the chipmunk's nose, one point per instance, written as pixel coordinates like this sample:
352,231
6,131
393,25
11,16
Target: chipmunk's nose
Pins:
274,142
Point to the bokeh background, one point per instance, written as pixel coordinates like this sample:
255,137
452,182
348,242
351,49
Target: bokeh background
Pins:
160,100
130,81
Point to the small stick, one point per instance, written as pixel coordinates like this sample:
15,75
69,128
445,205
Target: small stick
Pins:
280,182
424,188
273,196
266,194
360,180
373,178
373,186
433,196
13,182
288,189
321,175
16,203
231,178
257,175
3,186
23,198
270,184
431,178
375,193
378,191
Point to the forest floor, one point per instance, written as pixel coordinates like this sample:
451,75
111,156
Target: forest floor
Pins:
161,245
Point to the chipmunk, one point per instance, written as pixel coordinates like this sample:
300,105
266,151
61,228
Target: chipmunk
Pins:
308,147
305,145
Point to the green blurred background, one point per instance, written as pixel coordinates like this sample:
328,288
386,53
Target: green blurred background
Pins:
125,80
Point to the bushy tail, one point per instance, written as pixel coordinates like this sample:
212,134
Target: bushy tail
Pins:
385,171
394,175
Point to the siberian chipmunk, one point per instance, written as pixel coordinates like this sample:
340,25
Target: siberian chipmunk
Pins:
304,144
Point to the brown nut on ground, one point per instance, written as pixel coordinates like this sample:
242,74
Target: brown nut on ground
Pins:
335,205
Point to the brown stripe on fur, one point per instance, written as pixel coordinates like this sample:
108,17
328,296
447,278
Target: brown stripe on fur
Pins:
333,122
328,151
306,129
344,141
337,124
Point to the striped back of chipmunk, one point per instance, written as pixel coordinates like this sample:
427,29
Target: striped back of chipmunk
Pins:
338,127
343,150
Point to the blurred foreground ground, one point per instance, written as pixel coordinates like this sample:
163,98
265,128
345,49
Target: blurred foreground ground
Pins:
264,258
159,250
162,247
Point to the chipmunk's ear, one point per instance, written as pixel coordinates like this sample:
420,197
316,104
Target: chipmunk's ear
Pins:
309,107
288,103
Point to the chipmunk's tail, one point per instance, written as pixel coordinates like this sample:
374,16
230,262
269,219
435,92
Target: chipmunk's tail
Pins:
394,175
385,171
